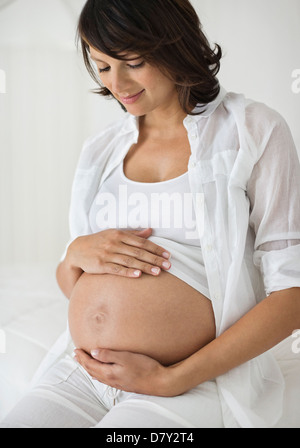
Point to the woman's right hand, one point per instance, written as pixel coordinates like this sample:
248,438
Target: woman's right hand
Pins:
126,253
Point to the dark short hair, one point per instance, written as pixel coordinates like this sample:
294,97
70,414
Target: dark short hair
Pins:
166,33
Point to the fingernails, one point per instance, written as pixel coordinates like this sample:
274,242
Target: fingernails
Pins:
94,353
137,273
166,255
166,264
155,271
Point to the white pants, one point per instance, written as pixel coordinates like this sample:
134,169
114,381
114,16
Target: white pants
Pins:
67,397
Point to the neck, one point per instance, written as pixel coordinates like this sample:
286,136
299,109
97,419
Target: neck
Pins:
165,121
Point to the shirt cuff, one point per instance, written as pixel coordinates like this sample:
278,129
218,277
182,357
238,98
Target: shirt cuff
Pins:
280,268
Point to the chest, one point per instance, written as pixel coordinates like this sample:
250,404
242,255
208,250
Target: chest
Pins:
157,160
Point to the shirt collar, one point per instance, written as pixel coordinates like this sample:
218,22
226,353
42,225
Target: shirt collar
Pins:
208,109
131,124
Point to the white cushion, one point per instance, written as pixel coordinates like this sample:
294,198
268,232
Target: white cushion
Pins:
33,313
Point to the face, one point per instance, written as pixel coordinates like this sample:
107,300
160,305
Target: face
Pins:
142,88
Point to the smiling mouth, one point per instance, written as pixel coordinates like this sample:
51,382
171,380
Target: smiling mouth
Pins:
133,98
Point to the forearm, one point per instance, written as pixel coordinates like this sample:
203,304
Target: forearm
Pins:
267,324
67,277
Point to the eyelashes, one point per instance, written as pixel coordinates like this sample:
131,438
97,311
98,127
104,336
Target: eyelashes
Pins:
141,64
102,70
131,66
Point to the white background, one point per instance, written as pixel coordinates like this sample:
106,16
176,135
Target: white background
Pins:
47,110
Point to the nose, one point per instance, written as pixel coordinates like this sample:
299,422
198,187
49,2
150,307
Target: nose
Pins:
119,81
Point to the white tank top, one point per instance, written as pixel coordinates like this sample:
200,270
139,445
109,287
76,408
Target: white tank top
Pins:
166,207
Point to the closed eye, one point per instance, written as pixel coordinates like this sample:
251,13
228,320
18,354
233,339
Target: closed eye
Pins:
101,70
137,65
132,66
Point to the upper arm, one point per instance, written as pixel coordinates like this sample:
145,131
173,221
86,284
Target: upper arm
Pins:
274,194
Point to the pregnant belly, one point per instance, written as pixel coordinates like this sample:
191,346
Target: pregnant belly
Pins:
161,317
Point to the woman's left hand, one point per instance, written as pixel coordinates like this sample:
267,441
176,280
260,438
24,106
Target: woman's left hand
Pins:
127,371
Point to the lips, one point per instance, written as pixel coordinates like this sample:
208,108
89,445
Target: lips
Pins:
132,98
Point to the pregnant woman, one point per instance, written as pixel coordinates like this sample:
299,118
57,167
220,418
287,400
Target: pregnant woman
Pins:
183,270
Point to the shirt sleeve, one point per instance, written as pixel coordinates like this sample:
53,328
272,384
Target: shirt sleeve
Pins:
274,193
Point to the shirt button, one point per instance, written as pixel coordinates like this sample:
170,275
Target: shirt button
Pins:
194,164
217,295
194,137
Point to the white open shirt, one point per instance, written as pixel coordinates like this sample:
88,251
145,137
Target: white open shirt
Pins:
245,177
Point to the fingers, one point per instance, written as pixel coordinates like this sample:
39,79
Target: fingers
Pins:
137,258
118,269
128,371
138,267
104,356
119,252
138,239
110,356
144,233
129,253
99,370
141,247
103,364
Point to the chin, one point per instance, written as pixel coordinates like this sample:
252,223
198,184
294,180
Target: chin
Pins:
135,111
